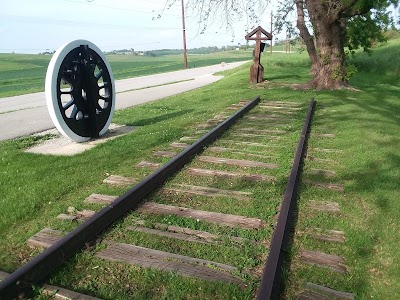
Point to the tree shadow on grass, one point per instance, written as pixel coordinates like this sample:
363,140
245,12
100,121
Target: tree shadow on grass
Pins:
160,118
286,76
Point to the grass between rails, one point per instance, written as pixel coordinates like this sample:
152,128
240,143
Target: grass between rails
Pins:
37,188
245,257
25,73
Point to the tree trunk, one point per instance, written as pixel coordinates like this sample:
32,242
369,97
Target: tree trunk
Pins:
306,36
330,71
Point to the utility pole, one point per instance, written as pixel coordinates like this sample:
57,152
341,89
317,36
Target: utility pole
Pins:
184,36
270,46
286,43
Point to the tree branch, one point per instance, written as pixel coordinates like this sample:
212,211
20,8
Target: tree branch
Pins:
351,10
305,34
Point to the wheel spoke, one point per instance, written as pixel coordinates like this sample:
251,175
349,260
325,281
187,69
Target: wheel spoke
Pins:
98,107
74,112
67,81
69,104
99,74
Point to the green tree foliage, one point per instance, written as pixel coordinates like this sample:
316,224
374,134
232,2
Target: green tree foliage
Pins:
326,26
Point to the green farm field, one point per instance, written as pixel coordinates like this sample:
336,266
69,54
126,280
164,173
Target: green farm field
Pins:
25,73
364,121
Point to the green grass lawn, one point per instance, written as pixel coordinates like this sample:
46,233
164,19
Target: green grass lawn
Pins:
25,73
36,188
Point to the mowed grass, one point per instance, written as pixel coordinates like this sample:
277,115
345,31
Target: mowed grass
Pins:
25,73
366,125
51,184
36,188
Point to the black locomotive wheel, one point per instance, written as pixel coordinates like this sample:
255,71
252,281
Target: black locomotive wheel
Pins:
84,92
80,91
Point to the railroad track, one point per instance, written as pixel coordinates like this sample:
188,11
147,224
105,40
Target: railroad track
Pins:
208,209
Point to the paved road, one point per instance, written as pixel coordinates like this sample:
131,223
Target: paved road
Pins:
27,114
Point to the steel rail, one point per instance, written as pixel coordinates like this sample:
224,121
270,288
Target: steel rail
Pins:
20,282
270,287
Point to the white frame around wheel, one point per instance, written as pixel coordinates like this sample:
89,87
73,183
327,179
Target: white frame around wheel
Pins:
51,91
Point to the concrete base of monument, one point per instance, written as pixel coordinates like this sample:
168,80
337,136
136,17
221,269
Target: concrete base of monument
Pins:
60,145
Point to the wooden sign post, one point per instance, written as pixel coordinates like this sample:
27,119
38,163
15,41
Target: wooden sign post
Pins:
257,70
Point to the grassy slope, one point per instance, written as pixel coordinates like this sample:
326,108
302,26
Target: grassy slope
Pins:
36,188
25,73
366,124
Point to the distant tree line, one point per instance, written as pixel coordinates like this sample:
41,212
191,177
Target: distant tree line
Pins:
163,52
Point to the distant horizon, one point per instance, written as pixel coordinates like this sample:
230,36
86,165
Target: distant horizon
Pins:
166,49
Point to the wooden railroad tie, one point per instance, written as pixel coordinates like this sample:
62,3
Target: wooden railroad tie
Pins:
76,215
148,164
252,135
324,135
165,261
237,162
280,112
261,131
241,144
242,152
187,234
277,107
236,106
318,292
45,238
333,262
280,103
188,139
180,145
165,153
212,217
245,176
162,209
204,126
212,122
332,236
265,117
326,185
100,199
150,258
119,180
207,191
270,123
324,206
55,292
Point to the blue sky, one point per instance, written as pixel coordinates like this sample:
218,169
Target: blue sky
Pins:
28,26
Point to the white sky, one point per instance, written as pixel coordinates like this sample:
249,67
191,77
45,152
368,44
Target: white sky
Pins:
33,26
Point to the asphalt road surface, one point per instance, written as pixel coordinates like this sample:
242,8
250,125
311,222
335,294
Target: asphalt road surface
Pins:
27,114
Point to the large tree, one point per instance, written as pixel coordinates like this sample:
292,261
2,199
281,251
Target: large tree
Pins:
336,24
326,26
